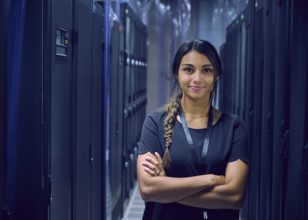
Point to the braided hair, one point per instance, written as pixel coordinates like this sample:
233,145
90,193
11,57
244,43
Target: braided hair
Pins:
172,108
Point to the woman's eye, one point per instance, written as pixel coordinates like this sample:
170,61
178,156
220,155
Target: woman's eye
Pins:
207,70
188,70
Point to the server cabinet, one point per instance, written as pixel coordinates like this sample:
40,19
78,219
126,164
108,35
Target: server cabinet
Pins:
275,105
295,184
134,90
266,116
24,115
97,154
127,101
256,111
3,109
76,111
87,123
280,17
55,126
116,120
248,108
62,98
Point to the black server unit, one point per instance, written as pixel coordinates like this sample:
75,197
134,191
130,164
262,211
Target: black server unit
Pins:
275,86
97,154
55,95
60,115
116,111
266,93
87,111
248,114
76,106
134,94
281,33
24,179
3,109
295,182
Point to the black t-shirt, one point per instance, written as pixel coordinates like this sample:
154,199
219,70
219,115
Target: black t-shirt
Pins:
229,142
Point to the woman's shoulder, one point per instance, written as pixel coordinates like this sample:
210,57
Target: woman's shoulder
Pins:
157,116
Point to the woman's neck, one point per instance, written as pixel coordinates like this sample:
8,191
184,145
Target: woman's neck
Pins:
195,108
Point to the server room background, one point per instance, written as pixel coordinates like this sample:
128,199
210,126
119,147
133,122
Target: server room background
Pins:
78,77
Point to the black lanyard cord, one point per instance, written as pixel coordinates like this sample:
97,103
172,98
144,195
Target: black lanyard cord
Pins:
207,135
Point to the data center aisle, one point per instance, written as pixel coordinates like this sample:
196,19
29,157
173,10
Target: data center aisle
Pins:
135,208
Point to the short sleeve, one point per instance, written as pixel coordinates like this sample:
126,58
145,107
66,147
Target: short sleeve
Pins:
149,140
240,143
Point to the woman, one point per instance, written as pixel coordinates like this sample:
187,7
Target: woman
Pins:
205,152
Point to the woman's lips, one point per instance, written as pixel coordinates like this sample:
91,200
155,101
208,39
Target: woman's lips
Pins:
196,87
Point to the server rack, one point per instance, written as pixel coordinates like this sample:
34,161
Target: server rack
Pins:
295,181
281,19
275,87
135,37
127,103
116,120
3,109
55,160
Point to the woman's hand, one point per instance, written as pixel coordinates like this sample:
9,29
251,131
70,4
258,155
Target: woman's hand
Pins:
154,165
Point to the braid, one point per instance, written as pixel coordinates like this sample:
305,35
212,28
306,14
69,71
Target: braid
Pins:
172,108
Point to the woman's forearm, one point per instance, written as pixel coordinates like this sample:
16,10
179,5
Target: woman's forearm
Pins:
165,189
227,196
219,197
169,189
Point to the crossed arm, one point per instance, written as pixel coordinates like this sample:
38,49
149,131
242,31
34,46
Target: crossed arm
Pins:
204,191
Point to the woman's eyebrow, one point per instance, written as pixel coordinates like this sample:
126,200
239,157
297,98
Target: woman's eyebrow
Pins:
187,64
207,65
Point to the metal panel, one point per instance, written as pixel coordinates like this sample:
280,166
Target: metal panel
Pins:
134,94
127,101
295,188
61,100
82,111
26,171
97,120
116,149
3,108
266,120
281,67
256,126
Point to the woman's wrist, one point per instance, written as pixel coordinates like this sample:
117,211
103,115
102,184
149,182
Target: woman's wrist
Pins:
215,180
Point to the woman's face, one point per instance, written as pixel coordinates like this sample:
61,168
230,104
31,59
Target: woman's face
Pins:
196,76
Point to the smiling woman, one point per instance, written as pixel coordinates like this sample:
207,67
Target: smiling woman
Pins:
205,152
196,77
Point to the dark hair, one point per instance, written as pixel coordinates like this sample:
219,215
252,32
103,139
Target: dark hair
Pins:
172,108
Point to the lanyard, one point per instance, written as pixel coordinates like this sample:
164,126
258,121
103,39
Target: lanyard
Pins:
207,135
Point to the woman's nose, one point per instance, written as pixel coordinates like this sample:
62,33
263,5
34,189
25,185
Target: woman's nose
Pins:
197,76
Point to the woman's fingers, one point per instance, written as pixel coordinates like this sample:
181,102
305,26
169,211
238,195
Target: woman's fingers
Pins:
154,165
152,161
148,170
149,165
158,157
